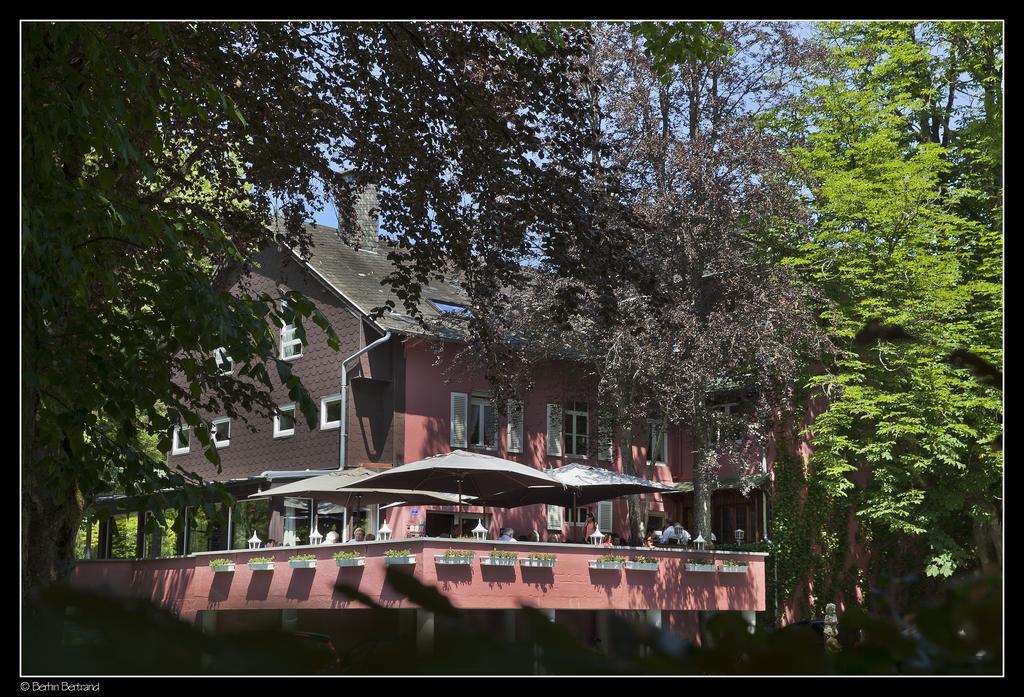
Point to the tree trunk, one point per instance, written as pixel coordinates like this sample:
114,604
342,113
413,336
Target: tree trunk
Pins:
705,475
628,467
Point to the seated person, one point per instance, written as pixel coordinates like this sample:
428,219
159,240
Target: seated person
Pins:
506,535
271,543
358,535
669,535
554,537
534,536
649,540
607,542
370,537
332,537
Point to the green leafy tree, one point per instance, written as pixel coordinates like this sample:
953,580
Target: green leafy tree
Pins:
899,166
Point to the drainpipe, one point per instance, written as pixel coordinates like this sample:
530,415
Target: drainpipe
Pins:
343,453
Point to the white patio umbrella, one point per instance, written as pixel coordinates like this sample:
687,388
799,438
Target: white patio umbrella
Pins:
583,485
328,488
462,473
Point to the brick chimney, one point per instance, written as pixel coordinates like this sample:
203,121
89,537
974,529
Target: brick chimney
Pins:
367,231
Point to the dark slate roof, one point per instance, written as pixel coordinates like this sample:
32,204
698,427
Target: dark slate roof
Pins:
356,274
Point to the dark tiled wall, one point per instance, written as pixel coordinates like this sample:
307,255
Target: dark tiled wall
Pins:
371,414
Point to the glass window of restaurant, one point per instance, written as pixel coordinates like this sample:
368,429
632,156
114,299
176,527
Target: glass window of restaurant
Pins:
88,540
207,528
164,540
248,517
330,517
124,531
297,521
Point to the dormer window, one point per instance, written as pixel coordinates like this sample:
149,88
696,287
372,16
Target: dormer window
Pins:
450,308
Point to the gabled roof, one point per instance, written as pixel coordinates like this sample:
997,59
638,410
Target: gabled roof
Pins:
356,275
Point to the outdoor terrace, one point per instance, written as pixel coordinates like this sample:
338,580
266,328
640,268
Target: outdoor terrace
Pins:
187,585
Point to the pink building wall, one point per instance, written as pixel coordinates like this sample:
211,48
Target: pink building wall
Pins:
430,380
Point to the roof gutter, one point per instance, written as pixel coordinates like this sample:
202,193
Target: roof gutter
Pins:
343,450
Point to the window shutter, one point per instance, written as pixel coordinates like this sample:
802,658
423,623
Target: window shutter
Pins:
460,416
491,424
604,436
554,517
554,436
604,516
515,426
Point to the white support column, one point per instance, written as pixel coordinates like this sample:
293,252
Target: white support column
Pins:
508,625
653,620
208,622
601,622
750,617
289,620
424,632
538,652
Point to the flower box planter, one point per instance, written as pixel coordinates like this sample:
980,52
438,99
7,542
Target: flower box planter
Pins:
498,561
453,561
261,566
708,568
302,564
223,568
733,569
539,563
397,561
641,566
595,564
355,561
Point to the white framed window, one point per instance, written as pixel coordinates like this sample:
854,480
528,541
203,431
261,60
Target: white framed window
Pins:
657,452
182,441
291,344
330,412
483,424
284,421
726,425
576,429
515,426
224,363
576,517
656,522
220,429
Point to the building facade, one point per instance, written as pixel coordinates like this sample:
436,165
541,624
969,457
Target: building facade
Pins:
402,397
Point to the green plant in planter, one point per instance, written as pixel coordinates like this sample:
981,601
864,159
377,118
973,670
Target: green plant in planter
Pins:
611,557
541,556
398,553
347,555
260,560
302,557
733,563
502,554
459,553
644,560
221,562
